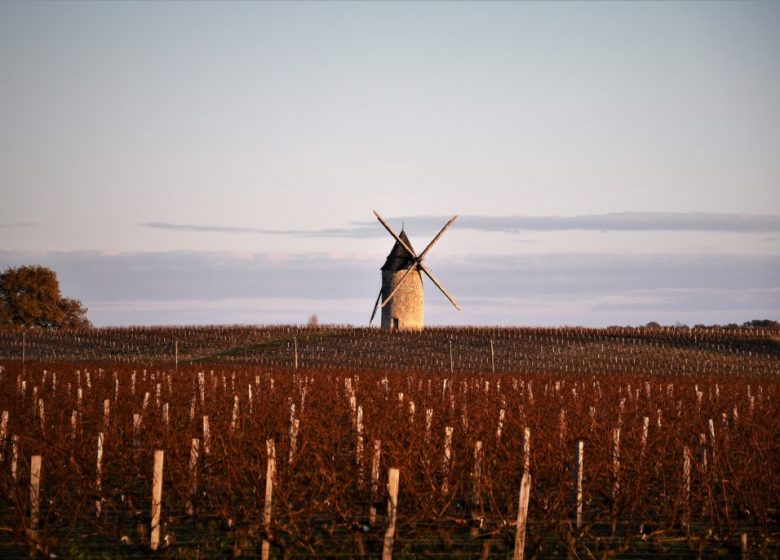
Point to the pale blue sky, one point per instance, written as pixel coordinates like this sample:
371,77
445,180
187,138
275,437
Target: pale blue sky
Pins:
139,134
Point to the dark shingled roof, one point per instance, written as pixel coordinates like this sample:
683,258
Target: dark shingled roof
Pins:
399,259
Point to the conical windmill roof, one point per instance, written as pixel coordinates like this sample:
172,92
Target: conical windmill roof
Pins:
399,259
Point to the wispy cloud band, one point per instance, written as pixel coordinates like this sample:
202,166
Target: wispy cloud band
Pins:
590,289
622,221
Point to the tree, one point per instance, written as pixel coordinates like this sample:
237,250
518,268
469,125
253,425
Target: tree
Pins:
30,297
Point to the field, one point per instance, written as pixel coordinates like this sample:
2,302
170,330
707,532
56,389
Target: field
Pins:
632,442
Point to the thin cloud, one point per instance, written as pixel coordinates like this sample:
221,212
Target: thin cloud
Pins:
211,228
622,221
614,222
17,225
596,288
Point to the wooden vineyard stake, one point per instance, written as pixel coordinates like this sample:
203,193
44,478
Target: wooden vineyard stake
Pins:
615,475
136,428
527,449
687,482
375,462
500,428
176,354
99,474
165,416
428,425
14,456
579,454
234,418
359,444
452,362
42,415
295,344
157,486
492,358
645,431
477,491
294,424
711,426
270,476
522,516
392,512
206,436
194,452
743,546
74,423
35,491
3,433
447,458
106,413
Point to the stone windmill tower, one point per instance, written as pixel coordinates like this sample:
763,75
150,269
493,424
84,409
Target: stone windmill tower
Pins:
401,295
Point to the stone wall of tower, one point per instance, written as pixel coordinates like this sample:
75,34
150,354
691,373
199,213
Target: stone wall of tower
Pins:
407,304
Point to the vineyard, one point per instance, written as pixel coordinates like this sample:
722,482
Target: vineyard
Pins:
288,442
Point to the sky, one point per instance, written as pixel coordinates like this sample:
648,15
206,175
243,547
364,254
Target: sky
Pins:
189,163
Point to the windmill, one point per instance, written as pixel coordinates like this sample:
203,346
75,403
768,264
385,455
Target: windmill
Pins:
401,295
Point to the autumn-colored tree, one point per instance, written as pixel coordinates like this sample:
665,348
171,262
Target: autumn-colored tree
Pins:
30,297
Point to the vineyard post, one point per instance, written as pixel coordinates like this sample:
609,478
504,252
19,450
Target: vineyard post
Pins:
14,455
477,490
711,426
359,444
176,354
136,428
579,454
294,425
500,428
295,346
41,415
527,450
392,510
234,417
428,425
157,484
270,475
452,362
743,546
165,415
522,516
687,483
194,451
24,348
3,434
35,491
74,423
206,436
99,474
447,458
492,358
375,461
615,475
106,413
